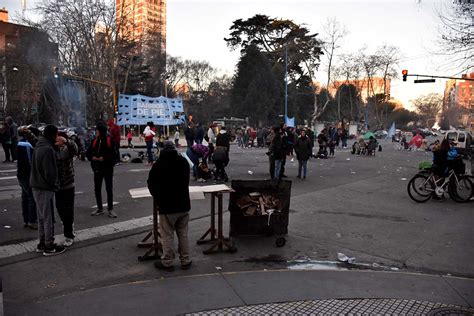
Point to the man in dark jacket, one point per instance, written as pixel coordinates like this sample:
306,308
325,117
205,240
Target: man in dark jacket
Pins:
101,154
45,182
303,151
25,149
199,134
168,183
223,139
67,149
189,135
277,152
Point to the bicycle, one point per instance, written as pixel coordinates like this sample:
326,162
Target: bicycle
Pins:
424,185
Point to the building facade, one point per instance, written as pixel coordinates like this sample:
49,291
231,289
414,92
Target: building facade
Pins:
26,59
137,19
459,100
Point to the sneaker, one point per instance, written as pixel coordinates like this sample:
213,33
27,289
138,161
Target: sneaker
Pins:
53,250
298,176
159,265
40,247
97,212
68,242
112,214
201,180
33,226
186,266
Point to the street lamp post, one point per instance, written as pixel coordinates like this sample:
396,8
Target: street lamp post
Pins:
286,82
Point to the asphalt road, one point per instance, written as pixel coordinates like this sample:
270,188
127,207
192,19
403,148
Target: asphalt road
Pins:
350,204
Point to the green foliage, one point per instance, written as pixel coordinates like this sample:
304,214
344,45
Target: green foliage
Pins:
256,90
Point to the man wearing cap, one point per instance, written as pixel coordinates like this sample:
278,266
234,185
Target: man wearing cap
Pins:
168,183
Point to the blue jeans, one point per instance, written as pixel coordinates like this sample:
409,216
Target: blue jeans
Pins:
195,159
149,147
278,163
28,204
302,164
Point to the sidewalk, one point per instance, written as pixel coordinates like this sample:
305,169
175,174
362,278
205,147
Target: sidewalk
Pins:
347,291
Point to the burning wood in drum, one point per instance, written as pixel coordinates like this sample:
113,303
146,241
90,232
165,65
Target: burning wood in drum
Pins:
258,204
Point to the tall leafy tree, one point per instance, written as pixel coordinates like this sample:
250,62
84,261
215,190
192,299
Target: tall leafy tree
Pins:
276,37
256,91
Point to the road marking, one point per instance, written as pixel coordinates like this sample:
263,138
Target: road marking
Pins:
138,170
7,171
7,178
105,204
81,235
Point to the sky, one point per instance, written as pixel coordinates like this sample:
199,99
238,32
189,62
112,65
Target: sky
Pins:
196,30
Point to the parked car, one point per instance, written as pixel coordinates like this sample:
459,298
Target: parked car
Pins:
463,141
380,134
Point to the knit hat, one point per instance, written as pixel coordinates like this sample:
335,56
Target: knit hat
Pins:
168,145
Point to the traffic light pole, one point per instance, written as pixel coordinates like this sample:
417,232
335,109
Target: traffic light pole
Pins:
443,77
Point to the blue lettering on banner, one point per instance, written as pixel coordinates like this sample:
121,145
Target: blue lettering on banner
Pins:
139,109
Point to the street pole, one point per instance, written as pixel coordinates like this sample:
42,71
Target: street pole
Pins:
286,82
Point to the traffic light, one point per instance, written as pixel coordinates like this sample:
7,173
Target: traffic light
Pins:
405,74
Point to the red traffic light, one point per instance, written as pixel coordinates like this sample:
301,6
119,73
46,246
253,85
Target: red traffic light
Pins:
405,74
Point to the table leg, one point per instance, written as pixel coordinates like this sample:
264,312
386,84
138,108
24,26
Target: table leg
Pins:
221,240
155,247
212,229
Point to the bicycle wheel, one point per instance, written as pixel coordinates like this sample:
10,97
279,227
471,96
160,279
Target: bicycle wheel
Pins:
461,190
420,188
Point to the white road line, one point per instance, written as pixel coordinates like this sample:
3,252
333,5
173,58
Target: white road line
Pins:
138,170
81,235
7,171
7,178
105,204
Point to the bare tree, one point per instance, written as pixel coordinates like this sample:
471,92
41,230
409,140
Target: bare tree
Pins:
333,33
428,107
456,33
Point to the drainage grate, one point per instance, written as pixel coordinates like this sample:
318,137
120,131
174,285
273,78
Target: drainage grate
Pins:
344,306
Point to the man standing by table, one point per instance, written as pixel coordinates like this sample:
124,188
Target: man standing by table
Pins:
168,183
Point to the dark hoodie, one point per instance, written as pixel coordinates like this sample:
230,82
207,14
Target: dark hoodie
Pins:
44,171
168,182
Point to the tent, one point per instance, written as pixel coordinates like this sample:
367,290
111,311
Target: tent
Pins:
391,131
417,141
367,135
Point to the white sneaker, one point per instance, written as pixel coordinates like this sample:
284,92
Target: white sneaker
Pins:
68,242
201,180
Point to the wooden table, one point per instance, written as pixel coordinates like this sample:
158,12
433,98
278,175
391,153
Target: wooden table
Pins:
219,242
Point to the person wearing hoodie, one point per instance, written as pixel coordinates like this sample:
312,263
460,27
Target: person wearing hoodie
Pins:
303,151
66,150
223,139
114,133
168,182
102,157
44,182
25,148
194,153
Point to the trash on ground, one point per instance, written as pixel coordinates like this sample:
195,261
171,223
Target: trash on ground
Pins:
353,172
250,172
4,209
343,258
375,265
218,268
7,226
394,268
403,179
348,158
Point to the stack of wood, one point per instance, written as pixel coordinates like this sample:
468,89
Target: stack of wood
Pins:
257,204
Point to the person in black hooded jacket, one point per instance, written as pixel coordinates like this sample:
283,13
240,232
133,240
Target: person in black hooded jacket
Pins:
168,183
101,154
